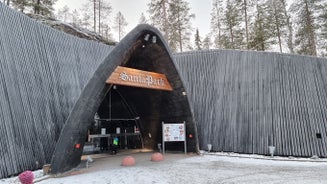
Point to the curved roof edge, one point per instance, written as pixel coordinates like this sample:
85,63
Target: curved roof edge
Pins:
66,155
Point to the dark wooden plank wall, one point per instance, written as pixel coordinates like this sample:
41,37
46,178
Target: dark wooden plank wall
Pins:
42,73
245,101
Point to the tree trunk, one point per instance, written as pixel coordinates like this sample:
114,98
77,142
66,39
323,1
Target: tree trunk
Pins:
310,28
218,24
279,37
231,36
94,16
119,28
290,29
180,32
99,17
246,25
165,20
37,7
278,28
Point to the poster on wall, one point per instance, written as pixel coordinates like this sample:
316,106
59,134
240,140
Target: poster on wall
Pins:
174,132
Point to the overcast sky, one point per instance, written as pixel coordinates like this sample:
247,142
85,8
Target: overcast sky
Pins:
132,9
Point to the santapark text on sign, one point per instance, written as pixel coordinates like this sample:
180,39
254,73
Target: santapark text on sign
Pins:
139,78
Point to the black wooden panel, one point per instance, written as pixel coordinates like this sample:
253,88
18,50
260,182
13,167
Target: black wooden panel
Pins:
245,101
42,73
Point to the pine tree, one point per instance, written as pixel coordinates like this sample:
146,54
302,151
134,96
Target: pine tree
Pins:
43,7
216,22
289,28
158,12
323,26
206,43
142,19
64,14
233,34
306,12
107,32
92,6
94,15
86,20
99,15
104,10
246,20
87,16
248,8
20,5
180,28
261,37
76,21
120,24
197,40
323,18
278,18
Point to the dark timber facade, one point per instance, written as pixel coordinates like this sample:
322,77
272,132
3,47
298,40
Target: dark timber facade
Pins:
51,85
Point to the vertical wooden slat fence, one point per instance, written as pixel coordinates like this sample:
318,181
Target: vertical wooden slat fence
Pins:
246,101
42,73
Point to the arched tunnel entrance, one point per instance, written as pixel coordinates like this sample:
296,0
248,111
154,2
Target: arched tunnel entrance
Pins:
116,125
142,49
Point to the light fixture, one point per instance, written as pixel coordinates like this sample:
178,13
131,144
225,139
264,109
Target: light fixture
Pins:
184,93
209,147
88,160
154,39
146,37
137,117
271,150
77,146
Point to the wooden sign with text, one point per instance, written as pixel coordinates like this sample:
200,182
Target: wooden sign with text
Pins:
139,78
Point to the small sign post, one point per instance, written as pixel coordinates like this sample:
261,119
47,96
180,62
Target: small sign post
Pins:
173,132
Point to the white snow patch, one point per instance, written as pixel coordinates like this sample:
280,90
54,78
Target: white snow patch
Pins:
206,168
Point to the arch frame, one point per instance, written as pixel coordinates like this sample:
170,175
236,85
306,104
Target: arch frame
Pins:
133,49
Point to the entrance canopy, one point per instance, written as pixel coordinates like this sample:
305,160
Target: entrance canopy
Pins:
142,49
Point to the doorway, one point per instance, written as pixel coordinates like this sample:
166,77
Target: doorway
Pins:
116,126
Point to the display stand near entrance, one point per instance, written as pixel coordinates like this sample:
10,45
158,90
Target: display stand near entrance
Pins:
173,132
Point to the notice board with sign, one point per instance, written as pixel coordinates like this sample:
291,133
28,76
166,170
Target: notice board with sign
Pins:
173,132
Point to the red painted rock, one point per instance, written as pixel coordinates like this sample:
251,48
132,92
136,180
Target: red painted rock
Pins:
156,157
26,177
128,161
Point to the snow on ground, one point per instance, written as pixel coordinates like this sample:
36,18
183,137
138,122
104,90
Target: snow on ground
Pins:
207,168
14,180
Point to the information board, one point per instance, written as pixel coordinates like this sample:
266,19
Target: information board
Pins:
173,132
